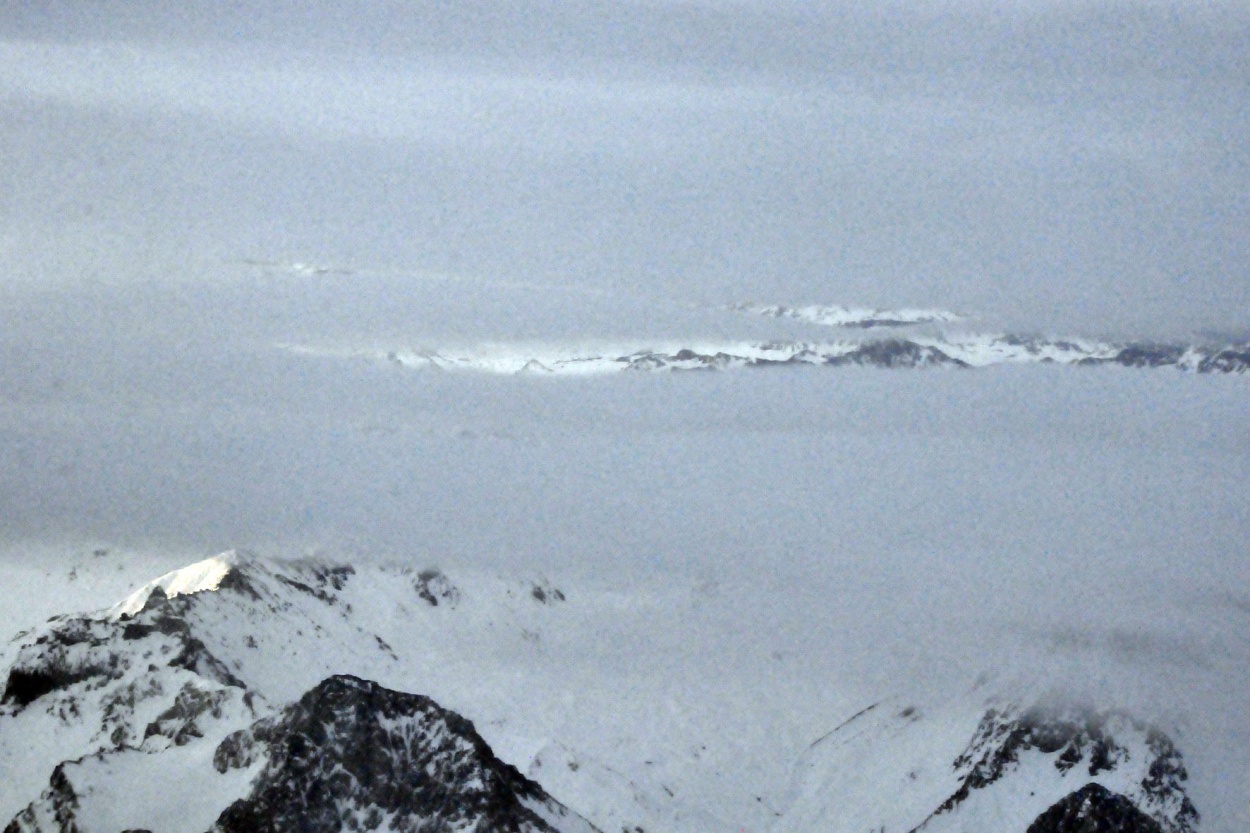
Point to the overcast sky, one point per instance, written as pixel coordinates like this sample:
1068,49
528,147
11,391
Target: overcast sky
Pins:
1062,166
565,171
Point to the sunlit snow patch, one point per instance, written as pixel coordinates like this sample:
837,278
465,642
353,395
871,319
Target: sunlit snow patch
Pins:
200,577
298,268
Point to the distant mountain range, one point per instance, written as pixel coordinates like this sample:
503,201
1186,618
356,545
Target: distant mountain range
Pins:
922,346
968,351
242,694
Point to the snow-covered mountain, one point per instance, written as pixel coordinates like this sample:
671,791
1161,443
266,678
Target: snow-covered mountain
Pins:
950,351
353,755
978,766
245,694
170,711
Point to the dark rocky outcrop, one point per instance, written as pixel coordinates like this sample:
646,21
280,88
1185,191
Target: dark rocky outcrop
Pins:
351,753
435,588
1231,360
61,803
62,657
1094,809
181,721
26,685
894,353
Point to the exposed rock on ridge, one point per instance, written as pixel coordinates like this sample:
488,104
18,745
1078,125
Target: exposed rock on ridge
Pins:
182,688
351,753
1094,809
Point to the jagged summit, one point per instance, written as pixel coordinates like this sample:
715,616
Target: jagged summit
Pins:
350,754
1094,809
999,766
244,573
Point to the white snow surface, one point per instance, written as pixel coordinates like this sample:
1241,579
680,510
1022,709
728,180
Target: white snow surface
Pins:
200,577
175,788
893,749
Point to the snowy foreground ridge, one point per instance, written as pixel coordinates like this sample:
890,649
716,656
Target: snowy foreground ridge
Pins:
241,694
945,351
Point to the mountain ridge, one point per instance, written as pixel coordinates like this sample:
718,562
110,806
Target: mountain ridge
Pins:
959,351
225,684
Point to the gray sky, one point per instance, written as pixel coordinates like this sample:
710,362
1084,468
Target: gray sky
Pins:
1061,166
564,171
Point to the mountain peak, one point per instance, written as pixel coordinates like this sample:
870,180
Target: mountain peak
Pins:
1094,809
1020,762
351,752
220,571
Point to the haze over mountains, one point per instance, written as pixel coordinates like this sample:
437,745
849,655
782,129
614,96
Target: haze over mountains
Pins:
958,534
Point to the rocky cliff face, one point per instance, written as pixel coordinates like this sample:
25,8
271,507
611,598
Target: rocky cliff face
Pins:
349,755
352,755
1094,809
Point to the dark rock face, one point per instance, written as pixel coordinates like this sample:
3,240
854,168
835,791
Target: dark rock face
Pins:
58,660
1094,809
1080,738
25,686
896,353
324,582
1148,355
351,753
1164,781
435,588
180,722
63,803
84,649
1231,360
544,593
